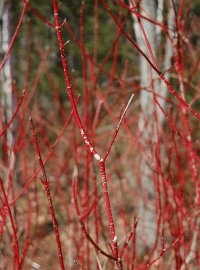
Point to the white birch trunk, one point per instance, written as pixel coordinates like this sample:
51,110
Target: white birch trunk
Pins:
6,84
147,211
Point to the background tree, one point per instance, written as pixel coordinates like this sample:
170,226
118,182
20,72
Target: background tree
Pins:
6,84
150,83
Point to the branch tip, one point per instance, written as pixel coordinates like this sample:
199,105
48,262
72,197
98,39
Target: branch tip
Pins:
75,174
66,43
115,239
62,23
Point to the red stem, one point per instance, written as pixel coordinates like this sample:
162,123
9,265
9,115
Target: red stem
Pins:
81,222
16,250
46,186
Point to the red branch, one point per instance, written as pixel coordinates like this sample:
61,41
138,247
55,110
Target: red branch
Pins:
46,186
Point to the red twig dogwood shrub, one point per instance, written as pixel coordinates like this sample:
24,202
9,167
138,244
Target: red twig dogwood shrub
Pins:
71,189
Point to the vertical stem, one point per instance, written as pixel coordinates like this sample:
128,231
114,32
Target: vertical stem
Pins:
69,88
109,212
46,186
16,249
55,225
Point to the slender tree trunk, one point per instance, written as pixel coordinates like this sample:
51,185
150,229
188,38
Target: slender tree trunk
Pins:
6,82
147,122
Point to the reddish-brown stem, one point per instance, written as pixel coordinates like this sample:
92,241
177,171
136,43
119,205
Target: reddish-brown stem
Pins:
28,55
126,244
28,227
117,128
134,240
110,218
46,186
81,222
55,225
16,249
69,89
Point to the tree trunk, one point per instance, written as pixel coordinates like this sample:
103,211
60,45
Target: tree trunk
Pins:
147,122
6,85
